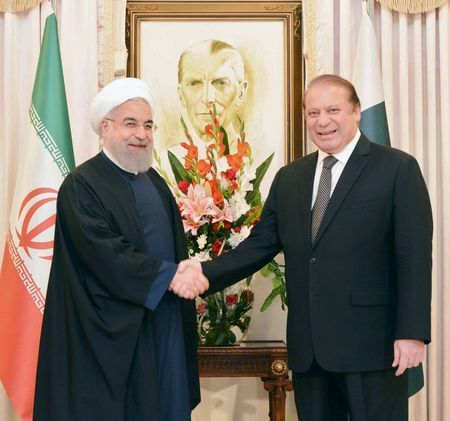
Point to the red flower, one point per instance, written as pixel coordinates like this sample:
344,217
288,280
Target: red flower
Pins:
215,191
203,167
201,308
183,185
231,299
243,149
216,122
192,150
231,174
226,225
221,145
234,161
216,247
221,224
247,295
208,129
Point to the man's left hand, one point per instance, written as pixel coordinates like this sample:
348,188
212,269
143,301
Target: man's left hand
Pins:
408,353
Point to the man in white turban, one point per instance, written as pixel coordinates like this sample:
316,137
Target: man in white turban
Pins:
117,343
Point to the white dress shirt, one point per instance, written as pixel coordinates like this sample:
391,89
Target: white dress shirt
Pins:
342,158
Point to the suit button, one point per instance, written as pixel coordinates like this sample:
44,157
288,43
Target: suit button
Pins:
313,260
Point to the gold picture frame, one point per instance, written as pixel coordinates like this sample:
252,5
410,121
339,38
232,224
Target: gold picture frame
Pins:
267,34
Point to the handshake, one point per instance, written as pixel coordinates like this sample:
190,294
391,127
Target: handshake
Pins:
189,281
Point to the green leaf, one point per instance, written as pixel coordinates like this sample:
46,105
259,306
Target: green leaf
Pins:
260,173
265,271
178,169
225,140
269,300
248,280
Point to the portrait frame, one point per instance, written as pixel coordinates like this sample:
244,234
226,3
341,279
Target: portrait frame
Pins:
243,15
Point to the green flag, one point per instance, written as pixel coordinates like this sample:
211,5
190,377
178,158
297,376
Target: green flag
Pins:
47,157
49,101
374,124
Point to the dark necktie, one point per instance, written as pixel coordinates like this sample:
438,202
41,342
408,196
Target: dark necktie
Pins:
323,196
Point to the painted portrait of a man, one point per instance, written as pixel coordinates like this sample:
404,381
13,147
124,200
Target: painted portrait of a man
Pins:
226,67
211,73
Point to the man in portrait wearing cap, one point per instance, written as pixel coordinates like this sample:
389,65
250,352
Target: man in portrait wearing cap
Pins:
116,342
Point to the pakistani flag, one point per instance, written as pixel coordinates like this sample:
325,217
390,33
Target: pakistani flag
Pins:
45,160
368,84
374,124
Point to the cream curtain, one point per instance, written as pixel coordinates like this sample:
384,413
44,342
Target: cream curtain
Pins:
415,64
414,51
20,35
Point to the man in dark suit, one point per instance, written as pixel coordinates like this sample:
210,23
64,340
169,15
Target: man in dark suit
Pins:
358,264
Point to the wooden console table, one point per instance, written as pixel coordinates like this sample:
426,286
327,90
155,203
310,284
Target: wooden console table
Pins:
265,359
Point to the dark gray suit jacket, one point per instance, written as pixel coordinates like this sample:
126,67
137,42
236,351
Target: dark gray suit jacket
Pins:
367,281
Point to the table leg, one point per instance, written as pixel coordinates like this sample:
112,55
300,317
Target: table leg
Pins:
277,396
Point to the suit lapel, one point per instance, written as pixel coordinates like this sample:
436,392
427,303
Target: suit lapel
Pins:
304,198
355,165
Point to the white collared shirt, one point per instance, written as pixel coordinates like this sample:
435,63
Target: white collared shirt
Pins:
342,157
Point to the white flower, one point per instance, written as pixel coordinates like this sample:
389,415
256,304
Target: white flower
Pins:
245,179
237,237
245,232
203,256
239,205
201,241
224,182
222,165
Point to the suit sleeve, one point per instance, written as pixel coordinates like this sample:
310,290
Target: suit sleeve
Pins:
252,254
413,252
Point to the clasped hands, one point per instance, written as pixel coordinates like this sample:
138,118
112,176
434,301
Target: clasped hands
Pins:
189,281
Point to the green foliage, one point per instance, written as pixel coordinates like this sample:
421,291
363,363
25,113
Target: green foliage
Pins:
275,270
222,311
178,169
254,195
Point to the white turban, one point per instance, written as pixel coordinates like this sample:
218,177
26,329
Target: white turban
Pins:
114,94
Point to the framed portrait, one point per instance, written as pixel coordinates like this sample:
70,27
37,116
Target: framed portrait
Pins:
244,57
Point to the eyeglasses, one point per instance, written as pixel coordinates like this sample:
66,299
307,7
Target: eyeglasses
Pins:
131,125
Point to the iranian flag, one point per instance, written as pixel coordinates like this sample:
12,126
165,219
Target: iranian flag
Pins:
374,124
46,159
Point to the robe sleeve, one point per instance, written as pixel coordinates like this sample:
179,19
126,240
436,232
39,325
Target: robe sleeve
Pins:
160,284
100,234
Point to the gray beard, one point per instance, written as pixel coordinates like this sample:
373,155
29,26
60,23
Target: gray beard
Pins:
134,164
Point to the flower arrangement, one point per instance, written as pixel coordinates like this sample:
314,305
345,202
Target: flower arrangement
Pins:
219,200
